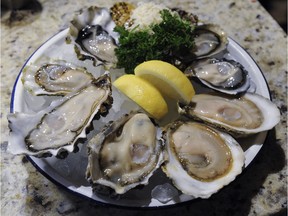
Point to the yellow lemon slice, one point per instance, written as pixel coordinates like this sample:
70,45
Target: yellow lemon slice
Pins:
143,93
167,78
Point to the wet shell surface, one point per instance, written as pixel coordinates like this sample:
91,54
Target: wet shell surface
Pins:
241,116
227,76
210,41
56,129
125,154
54,79
91,33
200,159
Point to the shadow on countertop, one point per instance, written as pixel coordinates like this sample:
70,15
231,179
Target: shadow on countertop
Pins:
235,199
278,10
22,14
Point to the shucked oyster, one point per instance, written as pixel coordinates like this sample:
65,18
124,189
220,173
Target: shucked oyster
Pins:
55,130
54,79
248,114
91,33
200,159
210,40
227,76
125,154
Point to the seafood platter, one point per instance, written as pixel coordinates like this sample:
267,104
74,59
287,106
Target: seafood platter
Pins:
82,132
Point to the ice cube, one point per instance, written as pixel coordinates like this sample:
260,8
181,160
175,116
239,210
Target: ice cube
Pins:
164,193
36,103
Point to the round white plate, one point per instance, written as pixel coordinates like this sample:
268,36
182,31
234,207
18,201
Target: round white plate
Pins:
70,172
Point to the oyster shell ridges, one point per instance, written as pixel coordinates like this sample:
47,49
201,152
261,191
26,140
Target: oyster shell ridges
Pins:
54,79
30,132
204,173
240,116
124,154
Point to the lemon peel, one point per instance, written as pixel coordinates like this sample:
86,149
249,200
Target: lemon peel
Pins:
143,93
167,78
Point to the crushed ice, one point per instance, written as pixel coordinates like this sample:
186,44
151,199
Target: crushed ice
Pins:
164,193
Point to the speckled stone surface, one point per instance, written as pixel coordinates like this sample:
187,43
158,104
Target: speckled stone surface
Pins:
260,190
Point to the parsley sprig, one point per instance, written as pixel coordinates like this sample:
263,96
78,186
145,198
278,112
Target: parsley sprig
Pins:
168,39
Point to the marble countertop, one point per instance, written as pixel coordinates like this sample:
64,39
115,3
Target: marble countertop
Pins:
260,190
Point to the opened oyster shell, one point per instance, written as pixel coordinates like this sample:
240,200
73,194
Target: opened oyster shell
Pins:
55,130
91,33
227,76
54,79
210,40
241,116
125,154
200,159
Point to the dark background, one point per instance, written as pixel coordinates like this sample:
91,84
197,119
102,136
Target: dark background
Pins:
278,10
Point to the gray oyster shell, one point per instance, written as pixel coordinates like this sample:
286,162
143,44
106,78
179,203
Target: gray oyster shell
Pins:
227,76
54,79
239,115
201,159
56,129
124,154
210,40
91,33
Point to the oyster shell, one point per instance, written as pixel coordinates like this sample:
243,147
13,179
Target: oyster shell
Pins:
125,154
200,159
210,40
241,116
192,18
91,33
227,76
55,130
54,79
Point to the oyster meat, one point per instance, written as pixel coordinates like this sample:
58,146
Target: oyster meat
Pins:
227,76
55,130
210,40
200,159
91,33
54,79
125,154
241,116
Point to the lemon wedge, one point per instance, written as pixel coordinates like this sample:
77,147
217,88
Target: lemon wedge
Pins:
167,78
143,93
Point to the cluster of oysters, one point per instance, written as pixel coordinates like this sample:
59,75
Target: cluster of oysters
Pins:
197,151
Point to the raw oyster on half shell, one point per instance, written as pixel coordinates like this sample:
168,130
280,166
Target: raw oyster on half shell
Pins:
91,33
55,130
210,40
125,154
241,116
227,76
54,79
200,160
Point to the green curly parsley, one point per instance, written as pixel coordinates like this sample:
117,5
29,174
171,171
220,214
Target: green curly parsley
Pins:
169,38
